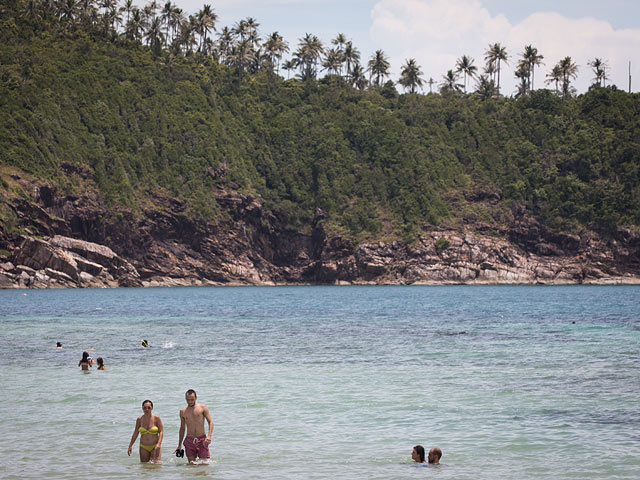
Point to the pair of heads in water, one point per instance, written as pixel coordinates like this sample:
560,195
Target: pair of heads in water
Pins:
418,455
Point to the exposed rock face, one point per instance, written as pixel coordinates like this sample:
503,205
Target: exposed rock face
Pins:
83,247
64,262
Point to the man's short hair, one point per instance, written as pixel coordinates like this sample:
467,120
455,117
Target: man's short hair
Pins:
190,391
435,454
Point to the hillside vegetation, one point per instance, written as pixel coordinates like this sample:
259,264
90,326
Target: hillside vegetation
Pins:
134,123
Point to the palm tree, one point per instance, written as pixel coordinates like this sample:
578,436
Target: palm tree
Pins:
450,82
241,56
240,29
155,36
88,12
275,48
569,71
187,35
206,21
340,40
485,87
333,61
252,31
68,11
410,75
289,65
431,81
307,56
225,45
531,56
465,66
600,70
165,15
351,55
523,73
555,76
494,55
379,66
174,21
357,77
136,25
127,7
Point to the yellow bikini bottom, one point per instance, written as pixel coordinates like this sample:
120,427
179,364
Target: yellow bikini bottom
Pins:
148,448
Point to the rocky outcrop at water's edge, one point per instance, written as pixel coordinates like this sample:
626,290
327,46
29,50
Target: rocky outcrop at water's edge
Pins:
69,241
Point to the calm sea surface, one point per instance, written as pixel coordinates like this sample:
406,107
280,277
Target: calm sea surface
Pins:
327,382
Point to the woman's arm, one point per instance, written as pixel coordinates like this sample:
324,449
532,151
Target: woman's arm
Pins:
134,436
160,431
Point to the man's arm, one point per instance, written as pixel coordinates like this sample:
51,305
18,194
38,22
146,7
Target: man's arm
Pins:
181,433
207,415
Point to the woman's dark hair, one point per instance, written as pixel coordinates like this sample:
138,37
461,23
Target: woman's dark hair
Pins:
100,361
147,401
420,451
85,357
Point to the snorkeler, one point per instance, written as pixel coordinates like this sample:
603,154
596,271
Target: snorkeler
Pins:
58,346
86,361
149,426
145,344
196,443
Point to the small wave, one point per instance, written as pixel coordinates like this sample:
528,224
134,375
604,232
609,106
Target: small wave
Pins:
168,344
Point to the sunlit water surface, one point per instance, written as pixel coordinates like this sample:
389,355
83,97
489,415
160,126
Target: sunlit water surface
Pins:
327,382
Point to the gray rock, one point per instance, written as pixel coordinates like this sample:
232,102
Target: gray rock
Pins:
6,280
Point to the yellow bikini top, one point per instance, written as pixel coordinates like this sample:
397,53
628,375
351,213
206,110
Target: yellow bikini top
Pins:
152,431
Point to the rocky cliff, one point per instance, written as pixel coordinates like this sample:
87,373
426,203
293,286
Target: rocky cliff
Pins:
74,241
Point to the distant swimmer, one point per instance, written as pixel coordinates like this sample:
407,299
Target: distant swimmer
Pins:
145,344
101,365
417,454
196,444
149,426
58,346
86,361
435,454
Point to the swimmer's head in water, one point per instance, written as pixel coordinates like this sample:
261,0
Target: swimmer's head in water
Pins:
145,343
147,405
435,454
191,397
58,344
418,454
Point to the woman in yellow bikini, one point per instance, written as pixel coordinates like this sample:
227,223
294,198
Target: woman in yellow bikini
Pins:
149,426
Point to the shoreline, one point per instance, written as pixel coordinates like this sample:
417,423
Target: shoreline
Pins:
177,282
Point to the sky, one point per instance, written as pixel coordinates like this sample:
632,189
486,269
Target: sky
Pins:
437,32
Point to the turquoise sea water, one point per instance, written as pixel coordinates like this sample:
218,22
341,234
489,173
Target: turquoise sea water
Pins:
327,382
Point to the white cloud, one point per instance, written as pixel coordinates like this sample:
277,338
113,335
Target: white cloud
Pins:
437,32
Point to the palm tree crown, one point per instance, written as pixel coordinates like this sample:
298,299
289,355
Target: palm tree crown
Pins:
410,75
465,66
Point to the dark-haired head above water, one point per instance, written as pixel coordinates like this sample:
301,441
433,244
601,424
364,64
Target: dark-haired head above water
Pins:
417,454
435,454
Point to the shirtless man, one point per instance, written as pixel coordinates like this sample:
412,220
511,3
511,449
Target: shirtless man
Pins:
196,444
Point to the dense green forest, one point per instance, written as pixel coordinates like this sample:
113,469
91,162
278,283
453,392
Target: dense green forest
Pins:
141,120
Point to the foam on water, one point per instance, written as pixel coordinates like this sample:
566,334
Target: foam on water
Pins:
327,382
